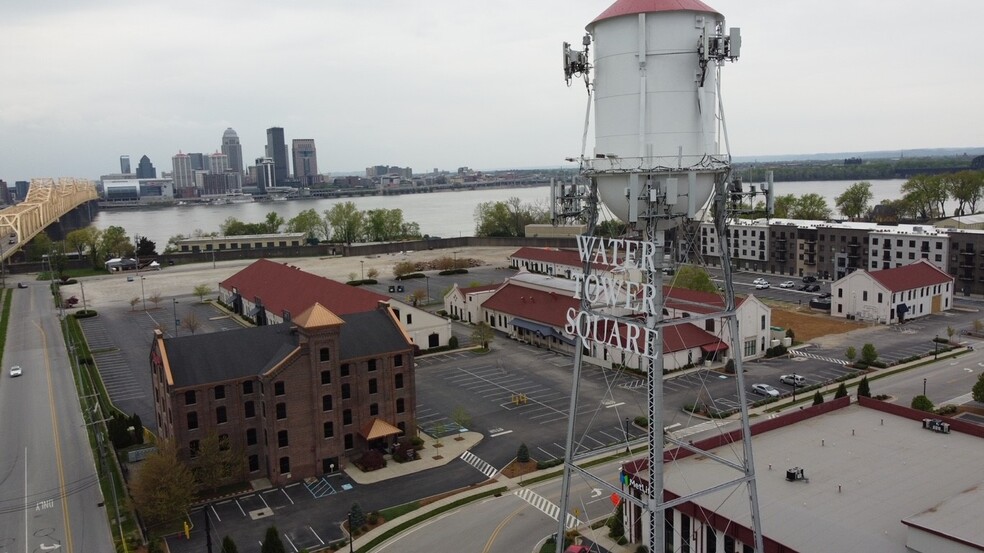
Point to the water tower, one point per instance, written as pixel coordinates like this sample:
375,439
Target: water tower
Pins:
660,159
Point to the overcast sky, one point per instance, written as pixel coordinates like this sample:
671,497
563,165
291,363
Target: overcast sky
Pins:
449,83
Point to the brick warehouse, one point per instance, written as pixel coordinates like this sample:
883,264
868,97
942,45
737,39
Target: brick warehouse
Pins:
296,398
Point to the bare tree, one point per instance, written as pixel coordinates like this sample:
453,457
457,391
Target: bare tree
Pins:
201,291
133,303
156,299
190,322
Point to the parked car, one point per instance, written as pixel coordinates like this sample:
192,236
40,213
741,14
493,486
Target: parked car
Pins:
824,296
788,284
22,285
765,390
811,288
15,370
792,380
809,278
761,285
760,280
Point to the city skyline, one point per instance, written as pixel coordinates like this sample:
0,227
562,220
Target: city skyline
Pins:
445,85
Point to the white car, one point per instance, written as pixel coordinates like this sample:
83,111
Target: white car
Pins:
760,280
792,380
788,284
765,390
761,285
15,370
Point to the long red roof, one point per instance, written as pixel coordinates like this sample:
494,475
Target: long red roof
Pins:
631,7
553,255
533,305
915,275
283,287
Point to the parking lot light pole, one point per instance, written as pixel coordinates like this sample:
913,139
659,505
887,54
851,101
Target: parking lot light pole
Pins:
924,387
936,348
362,264
174,310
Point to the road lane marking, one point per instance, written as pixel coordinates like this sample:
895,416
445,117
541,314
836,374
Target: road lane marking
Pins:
58,456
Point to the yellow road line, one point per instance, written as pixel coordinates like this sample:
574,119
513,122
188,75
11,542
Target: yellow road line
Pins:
58,457
505,521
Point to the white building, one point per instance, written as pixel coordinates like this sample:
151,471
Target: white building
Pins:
905,244
892,295
465,304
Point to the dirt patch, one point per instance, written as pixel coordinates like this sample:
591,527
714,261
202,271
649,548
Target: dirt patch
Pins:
808,324
516,468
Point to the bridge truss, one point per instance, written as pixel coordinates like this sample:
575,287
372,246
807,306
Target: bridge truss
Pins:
47,201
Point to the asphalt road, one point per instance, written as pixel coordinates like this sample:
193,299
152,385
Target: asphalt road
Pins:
49,493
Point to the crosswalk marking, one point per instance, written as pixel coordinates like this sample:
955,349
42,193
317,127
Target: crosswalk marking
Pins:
482,466
546,506
800,353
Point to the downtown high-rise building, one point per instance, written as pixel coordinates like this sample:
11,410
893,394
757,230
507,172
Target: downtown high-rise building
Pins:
305,160
276,149
182,174
125,164
198,161
234,150
145,169
265,174
218,163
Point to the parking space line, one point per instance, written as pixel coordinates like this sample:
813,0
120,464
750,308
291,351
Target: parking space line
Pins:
316,535
264,501
214,512
287,496
240,505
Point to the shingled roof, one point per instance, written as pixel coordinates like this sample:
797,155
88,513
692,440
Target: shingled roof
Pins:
283,287
532,304
220,356
915,275
570,258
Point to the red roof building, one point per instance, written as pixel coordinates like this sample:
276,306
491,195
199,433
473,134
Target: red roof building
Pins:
892,295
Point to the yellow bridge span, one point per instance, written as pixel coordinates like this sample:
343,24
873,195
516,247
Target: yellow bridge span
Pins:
47,201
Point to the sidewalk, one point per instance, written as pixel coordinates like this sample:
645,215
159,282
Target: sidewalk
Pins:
429,457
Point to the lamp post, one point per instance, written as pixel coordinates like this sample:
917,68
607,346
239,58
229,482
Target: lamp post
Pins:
362,265
351,533
427,283
142,295
626,434
924,387
936,348
174,310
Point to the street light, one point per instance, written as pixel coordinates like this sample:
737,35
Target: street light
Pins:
351,532
924,387
936,348
142,295
362,264
627,434
174,310
427,283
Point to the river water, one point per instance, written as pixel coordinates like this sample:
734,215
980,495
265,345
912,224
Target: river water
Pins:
443,214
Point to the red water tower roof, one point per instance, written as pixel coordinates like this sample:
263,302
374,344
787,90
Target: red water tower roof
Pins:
630,7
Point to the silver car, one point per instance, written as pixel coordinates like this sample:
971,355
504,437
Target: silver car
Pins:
765,390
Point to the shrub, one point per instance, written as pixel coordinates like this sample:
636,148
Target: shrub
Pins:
417,442
851,353
864,389
523,454
371,460
642,421
373,517
540,465
358,517
453,342
946,410
817,398
616,524
790,334
776,351
922,403
691,408
411,276
868,353
841,391
882,397
729,367
977,392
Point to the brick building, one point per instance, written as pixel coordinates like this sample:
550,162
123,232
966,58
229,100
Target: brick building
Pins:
296,398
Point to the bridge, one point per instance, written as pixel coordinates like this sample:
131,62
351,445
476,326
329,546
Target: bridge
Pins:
48,200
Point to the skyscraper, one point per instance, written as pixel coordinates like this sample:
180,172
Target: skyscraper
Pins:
305,160
145,169
125,164
265,174
276,149
218,163
232,148
198,161
182,174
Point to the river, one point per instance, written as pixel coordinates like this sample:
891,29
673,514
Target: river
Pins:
443,214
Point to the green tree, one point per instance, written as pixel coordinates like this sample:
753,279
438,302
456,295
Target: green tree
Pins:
308,222
610,228
201,291
523,453
693,277
616,523
115,243
164,487
841,391
404,268
817,398
346,222
211,461
864,389
460,417
868,353
966,187
272,223
80,239
784,206
811,206
145,247
39,246
482,334
922,403
508,218
928,194
358,517
228,546
855,202
978,390
851,353
272,542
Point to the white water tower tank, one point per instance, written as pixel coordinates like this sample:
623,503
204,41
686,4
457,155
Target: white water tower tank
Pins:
657,119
